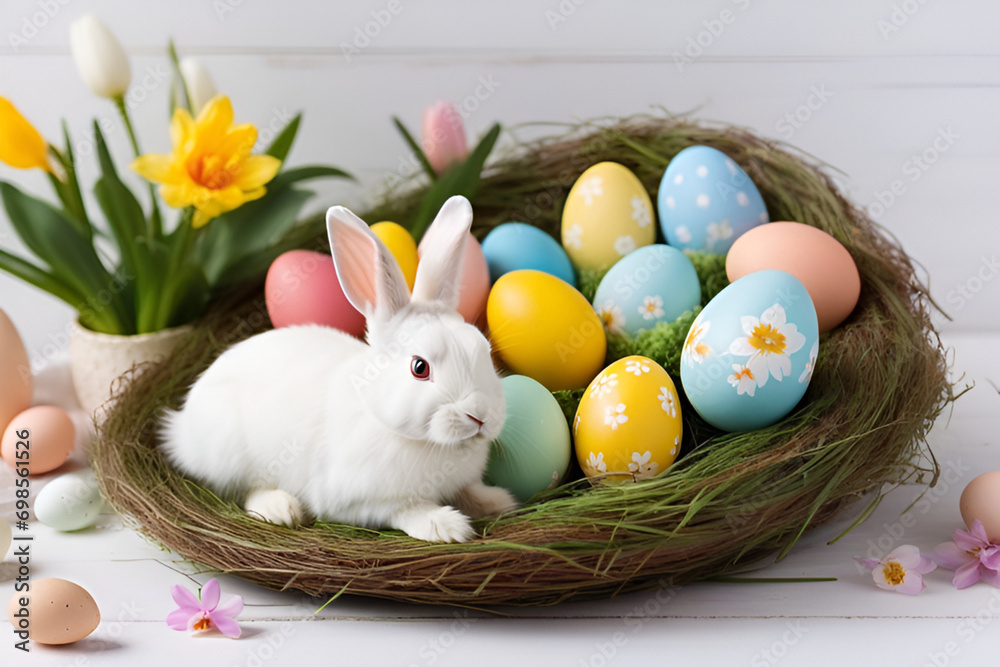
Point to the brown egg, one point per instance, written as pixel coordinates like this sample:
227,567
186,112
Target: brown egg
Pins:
981,500
44,434
58,612
15,373
817,259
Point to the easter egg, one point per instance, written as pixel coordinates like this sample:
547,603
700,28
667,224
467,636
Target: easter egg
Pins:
817,259
607,215
302,288
474,285
532,452
706,201
543,328
60,612
656,283
45,432
70,502
402,246
981,500
749,355
16,387
628,424
515,245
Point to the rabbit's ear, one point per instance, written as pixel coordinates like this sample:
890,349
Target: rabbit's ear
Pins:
441,253
368,273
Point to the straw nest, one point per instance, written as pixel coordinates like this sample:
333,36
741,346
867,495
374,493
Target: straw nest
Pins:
730,499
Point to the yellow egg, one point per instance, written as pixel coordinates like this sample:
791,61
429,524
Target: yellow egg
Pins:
402,246
607,215
543,328
628,424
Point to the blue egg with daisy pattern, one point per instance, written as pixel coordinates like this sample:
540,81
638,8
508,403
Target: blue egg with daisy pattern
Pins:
750,354
656,283
706,201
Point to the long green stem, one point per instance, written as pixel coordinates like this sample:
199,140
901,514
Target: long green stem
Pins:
155,220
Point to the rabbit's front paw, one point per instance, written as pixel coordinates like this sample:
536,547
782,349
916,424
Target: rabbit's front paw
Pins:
480,500
434,524
275,506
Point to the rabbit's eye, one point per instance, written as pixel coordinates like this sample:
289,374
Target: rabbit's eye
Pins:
420,368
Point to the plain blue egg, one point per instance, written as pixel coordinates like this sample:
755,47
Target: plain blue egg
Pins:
706,202
533,450
516,245
653,284
750,354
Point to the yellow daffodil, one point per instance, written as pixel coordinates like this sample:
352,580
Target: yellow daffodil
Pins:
21,146
210,166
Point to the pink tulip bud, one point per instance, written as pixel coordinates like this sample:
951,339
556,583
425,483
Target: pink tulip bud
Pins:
443,136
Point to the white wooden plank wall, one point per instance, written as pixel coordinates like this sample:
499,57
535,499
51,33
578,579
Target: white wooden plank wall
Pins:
900,91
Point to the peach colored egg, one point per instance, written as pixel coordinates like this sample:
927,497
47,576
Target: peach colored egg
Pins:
474,287
15,371
302,288
817,259
54,612
981,500
43,435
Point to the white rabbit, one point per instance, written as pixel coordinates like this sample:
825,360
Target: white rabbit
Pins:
310,421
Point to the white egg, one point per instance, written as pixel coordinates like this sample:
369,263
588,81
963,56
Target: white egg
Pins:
5,537
70,502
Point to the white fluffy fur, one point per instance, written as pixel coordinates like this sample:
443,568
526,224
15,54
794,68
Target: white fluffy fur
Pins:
310,421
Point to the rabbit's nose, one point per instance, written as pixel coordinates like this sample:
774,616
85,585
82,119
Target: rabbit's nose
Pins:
479,422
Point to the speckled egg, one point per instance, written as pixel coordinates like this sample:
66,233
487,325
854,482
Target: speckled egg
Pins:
706,201
628,424
516,245
543,328
607,215
54,612
70,502
532,452
656,283
749,355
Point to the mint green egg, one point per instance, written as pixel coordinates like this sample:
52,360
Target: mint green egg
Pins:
532,452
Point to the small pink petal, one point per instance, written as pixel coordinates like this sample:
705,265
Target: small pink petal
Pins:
967,542
226,626
185,598
990,557
210,593
230,607
978,531
966,575
178,619
912,584
949,556
906,555
992,577
870,563
925,565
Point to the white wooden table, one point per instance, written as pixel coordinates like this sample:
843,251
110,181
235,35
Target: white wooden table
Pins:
886,92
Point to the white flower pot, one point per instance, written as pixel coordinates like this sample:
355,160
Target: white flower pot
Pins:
97,360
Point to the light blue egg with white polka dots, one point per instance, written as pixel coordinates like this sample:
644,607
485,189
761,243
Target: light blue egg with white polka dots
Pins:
706,201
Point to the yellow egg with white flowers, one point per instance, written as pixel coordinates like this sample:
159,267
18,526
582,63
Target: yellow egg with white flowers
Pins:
400,243
607,215
628,425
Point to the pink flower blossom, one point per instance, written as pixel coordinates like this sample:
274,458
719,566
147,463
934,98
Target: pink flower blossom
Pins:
901,570
209,611
972,556
443,136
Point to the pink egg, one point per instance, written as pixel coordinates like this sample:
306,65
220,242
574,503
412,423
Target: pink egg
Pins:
302,288
43,436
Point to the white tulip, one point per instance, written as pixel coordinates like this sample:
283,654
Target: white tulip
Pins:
199,84
99,56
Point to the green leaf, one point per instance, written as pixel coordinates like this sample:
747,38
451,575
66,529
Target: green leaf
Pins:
248,230
40,278
180,85
257,263
188,293
417,150
308,172
462,179
52,238
283,142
